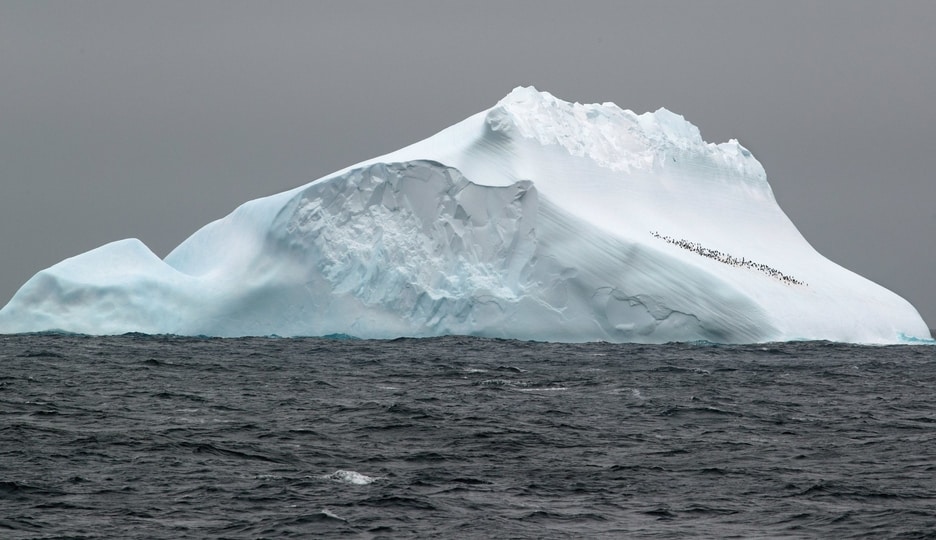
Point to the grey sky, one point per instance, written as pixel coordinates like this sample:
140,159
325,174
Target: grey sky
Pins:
150,119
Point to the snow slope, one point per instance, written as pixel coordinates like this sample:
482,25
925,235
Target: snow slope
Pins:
536,219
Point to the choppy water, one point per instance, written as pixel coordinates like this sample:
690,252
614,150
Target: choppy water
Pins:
154,437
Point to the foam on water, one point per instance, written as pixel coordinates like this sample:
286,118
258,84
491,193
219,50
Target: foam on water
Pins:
350,477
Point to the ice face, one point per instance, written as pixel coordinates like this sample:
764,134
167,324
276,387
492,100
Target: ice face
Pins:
536,219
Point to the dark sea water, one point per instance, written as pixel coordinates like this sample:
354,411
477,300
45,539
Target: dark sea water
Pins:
163,437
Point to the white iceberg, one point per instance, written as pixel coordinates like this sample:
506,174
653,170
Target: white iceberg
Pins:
536,219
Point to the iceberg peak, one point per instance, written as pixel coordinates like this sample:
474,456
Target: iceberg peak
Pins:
621,140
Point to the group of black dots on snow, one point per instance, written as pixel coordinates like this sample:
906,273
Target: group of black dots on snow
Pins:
695,247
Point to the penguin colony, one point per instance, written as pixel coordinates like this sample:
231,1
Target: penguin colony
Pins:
695,247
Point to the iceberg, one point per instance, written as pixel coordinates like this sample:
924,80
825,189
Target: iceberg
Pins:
537,219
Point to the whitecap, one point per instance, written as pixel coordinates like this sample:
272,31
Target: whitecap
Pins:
329,514
350,477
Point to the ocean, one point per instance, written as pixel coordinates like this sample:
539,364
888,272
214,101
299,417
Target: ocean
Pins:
150,437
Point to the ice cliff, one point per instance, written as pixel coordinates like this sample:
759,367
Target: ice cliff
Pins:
536,219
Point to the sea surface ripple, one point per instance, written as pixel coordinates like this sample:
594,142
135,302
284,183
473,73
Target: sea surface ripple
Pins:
167,437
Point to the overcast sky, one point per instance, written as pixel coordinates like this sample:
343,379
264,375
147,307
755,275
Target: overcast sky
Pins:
150,119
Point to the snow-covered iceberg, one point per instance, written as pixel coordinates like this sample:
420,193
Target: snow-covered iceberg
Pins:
536,219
